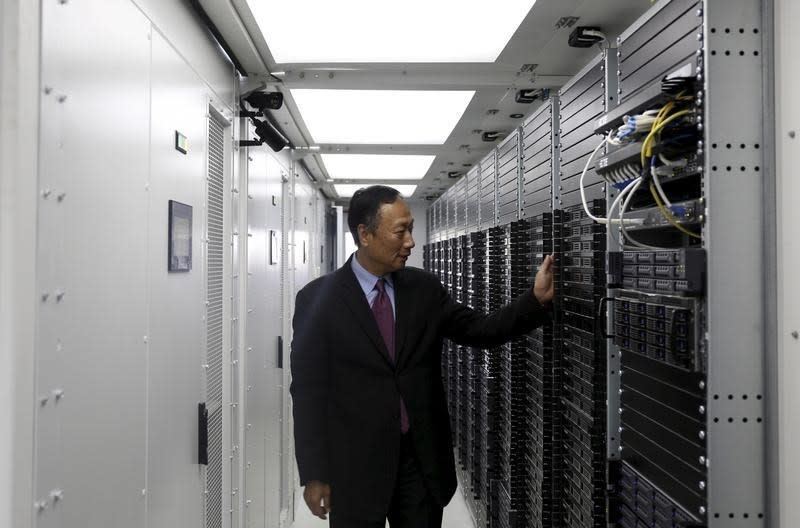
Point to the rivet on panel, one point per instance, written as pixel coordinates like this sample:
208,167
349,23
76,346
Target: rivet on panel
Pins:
59,295
702,510
795,334
58,394
45,296
61,98
144,492
40,505
702,460
702,409
792,134
46,193
702,435
61,197
701,485
144,339
57,495
48,90
43,400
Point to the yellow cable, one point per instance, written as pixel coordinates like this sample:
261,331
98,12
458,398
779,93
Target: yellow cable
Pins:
657,126
668,215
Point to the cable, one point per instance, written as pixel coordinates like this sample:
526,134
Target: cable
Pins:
630,191
583,175
583,191
668,215
657,181
656,129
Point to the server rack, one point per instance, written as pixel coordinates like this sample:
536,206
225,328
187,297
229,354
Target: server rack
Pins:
583,286
652,367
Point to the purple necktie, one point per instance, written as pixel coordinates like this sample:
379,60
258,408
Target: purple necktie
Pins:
384,316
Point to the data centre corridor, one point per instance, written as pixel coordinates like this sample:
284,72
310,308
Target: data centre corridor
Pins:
174,172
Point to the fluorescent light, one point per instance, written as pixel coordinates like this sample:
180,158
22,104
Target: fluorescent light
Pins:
376,166
346,190
376,31
381,116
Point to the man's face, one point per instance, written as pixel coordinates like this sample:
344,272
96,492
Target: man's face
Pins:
390,245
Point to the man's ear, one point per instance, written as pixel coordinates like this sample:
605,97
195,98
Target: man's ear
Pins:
363,235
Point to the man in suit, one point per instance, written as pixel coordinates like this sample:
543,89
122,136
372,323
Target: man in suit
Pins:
372,431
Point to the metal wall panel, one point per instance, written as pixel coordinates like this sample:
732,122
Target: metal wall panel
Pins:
92,267
215,308
734,186
176,329
263,394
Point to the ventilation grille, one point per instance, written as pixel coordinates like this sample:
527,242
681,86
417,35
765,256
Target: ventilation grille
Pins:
214,267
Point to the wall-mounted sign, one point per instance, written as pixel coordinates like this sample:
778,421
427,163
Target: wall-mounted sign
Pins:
181,143
180,237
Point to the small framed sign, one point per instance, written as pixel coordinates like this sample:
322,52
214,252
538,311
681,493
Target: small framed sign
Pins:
180,237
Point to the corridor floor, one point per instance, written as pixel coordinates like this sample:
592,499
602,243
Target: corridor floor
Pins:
456,514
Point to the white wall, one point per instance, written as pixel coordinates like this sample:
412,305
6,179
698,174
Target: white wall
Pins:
19,128
788,220
420,220
122,337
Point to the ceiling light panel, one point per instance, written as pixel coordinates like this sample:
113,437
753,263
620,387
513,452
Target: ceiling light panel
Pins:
376,166
410,117
347,190
376,31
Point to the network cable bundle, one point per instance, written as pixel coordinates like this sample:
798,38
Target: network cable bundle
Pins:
641,405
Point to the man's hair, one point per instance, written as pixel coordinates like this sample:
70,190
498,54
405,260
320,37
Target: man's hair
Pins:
365,208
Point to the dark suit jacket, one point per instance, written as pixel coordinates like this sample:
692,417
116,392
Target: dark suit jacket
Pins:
346,391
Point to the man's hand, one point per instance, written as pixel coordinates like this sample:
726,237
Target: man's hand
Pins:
318,498
543,287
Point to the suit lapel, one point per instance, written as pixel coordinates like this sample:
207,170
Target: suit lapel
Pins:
356,302
403,311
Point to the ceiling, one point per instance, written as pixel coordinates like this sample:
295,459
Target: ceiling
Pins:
536,56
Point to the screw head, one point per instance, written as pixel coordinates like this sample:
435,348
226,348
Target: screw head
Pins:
702,435
792,134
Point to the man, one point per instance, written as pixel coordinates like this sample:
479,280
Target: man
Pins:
372,431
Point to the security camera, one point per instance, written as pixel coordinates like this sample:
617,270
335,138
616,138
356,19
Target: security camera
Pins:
265,100
270,135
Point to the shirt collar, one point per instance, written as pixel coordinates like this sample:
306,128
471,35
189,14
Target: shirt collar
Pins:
366,279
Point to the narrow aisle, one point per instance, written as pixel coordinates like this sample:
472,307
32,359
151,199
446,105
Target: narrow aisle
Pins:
456,514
